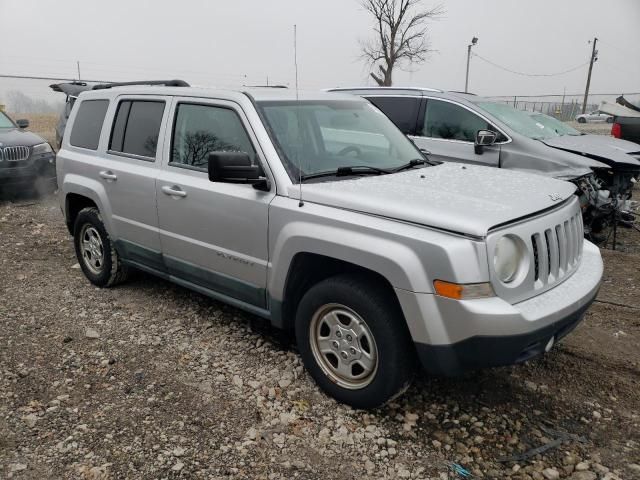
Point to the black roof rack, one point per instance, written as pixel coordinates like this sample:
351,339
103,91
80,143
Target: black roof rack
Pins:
166,83
56,86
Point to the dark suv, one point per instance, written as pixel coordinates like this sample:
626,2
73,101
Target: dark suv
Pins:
26,159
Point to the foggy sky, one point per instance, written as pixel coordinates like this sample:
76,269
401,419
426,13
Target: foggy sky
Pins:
228,44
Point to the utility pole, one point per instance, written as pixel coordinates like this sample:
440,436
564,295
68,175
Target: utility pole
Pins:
594,57
474,40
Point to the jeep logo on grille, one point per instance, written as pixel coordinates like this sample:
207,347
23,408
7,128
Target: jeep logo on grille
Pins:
555,197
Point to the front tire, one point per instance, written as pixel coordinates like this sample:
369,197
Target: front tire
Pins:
95,252
582,120
354,342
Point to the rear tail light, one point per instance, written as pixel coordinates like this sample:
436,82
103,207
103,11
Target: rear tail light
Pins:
616,131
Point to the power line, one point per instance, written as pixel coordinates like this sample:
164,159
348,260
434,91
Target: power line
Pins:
24,77
529,74
626,54
620,69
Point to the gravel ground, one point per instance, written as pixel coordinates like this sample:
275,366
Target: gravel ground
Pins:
150,380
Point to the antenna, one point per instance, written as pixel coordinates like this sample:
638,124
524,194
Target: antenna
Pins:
295,64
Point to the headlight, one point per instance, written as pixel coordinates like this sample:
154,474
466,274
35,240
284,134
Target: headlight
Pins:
41,149
507,259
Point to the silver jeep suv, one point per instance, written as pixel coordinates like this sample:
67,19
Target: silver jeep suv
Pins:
316,213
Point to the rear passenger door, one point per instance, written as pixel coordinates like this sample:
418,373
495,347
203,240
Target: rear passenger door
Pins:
129,173
448,130
213,234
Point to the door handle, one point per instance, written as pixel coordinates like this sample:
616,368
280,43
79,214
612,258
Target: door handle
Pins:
174,191
108,175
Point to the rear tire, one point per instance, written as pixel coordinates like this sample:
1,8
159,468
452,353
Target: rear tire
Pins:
95,252
353,340
610,120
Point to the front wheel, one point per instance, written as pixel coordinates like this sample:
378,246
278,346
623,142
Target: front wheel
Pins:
610,120
354,342
582,120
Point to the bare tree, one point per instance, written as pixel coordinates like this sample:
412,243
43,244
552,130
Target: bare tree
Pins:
401,35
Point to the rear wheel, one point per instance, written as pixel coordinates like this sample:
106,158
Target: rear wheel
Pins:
609,119
353,341
95,252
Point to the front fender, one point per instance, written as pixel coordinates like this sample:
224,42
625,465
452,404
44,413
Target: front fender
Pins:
395,262
409,257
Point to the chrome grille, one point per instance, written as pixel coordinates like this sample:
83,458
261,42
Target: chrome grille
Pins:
557,250
14,154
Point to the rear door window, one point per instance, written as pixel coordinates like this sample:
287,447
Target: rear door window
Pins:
403,111
88,124
449,121
136,127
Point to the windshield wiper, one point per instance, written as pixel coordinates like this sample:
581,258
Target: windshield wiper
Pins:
350,170
412,163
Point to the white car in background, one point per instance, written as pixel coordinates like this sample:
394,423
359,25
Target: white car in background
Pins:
595,116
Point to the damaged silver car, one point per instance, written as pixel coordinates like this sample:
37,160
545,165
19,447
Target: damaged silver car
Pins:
467,128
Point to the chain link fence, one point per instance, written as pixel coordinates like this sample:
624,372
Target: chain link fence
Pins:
564,107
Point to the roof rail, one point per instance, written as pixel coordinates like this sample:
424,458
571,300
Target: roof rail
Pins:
166,83
382,89
265,86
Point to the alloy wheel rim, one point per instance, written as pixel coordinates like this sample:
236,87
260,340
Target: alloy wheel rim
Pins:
343,346
92,249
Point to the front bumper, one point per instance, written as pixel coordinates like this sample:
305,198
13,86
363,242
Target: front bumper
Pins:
26,172
471,334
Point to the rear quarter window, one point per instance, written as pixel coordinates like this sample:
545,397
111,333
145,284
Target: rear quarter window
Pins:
87,125
403,111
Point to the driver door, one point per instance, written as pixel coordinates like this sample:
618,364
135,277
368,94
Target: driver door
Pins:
213,234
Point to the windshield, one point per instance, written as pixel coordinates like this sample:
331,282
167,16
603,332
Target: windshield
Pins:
518,120
5,122
554,124
322,136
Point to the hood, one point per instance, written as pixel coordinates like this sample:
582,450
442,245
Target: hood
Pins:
10,137
460,198
611,151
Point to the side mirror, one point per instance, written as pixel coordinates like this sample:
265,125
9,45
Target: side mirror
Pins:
484,138
233,167
22,123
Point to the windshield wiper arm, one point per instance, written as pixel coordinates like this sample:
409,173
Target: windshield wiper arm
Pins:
412,163
349,170
357,169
